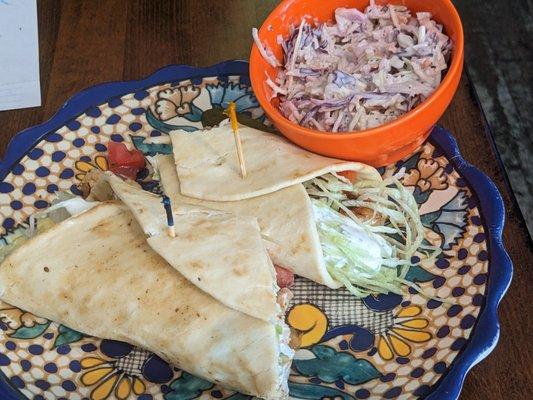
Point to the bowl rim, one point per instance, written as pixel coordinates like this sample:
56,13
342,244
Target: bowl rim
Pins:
454,69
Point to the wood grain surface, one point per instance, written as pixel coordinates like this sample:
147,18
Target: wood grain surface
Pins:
83,43
504,83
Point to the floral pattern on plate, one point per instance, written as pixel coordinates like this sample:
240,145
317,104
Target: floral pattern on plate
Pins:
385,346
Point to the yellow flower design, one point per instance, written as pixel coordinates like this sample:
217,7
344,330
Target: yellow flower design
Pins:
407,327
309,321
14,318
107,378
100,162
427,175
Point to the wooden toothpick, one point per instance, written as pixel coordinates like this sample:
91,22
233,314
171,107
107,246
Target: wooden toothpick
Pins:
231,111
170,218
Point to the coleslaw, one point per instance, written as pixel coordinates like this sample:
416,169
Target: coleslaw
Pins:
366,69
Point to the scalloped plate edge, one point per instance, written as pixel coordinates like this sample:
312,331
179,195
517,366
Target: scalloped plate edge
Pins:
486,332
487,329
25,140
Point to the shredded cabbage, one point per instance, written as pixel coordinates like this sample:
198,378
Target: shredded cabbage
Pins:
369,253
12,240
285,353
265,52
364,70
65,206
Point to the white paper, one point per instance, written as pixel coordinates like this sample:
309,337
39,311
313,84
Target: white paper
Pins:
19,55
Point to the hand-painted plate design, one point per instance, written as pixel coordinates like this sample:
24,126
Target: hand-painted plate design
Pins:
381,347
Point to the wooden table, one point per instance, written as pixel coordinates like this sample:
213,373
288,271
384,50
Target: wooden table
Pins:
83,43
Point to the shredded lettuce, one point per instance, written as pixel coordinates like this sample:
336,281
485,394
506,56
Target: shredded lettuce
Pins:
12,240
369,231
64,207
285,353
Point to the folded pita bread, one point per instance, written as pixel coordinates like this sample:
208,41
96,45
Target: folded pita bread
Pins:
95,273
285,218
221,253
208,167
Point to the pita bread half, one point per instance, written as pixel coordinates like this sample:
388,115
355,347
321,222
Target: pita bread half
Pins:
95,273
146,207
208,167
221,253
285,218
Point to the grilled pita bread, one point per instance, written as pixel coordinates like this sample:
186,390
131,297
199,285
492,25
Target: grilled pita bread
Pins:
95,273
285,218
208,166
221,253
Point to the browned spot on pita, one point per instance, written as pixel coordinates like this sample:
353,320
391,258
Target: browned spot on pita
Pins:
205,227
239,271
196,264
261,169
103,229
296,175
46,269
64,295
301,245
120,318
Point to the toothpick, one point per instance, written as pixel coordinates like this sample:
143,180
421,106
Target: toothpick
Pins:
231,111
171,231
170,218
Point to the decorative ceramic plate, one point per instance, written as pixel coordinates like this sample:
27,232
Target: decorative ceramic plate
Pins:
381,347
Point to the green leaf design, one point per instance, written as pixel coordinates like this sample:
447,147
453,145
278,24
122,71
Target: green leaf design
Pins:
239,396
411,162
195,115
429,218
215,115
25,332
187,387
164,127
66,336
418,274
420,196
315,392
330,366
150,149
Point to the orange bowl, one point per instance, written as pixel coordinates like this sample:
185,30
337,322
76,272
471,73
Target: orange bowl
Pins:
378,146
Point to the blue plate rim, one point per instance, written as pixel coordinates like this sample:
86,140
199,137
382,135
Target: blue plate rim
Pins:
486,331
25,140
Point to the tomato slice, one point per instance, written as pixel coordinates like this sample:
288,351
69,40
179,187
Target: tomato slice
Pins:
126,171
119,155
284,277
123,161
